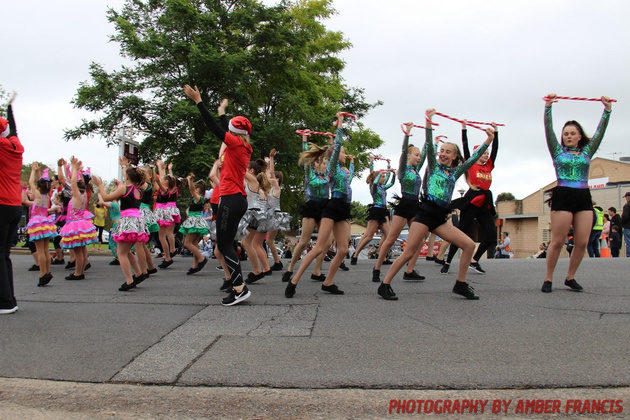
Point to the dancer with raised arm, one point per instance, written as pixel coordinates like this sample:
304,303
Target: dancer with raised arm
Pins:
335,216
11,151
411,161
477,203
378,216
571,203
442,173
232,204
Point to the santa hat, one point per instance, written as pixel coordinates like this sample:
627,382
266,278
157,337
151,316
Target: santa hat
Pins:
45,175
4,127
240,125
475,147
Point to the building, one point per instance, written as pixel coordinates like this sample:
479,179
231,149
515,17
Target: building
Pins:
528,220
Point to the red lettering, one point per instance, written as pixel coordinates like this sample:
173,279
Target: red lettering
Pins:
519,407
555,406
410,407
447,406
392,404
618,407
439,407
428,406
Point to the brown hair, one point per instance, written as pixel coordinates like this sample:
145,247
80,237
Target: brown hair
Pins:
313,154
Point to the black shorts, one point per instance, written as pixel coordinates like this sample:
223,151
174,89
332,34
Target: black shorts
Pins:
312,209
431,215
337,209
406,208
571,199
380,214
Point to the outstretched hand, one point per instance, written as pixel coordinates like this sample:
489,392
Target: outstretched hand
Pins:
193,94
550,98
607,103
490,133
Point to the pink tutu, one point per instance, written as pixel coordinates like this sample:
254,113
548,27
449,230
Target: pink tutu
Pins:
77,233
40,227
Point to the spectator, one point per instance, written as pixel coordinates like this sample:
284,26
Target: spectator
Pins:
542,251
606,230
625,223
570,241
615,242
503,249
596,232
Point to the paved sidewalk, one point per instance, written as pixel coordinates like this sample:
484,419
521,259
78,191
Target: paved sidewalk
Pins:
172,330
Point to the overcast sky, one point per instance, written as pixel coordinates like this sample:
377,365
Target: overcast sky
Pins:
481,60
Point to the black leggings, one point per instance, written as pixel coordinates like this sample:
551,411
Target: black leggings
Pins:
231,210
9,218
487,230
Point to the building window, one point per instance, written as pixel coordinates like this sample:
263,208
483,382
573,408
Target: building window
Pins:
546,235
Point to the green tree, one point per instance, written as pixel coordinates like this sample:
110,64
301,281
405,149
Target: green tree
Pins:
505,196
278,65
358,213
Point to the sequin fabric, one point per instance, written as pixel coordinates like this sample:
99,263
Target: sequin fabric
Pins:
409,175
440,180
572,169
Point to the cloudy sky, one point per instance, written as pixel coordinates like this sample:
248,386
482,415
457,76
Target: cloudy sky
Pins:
482,60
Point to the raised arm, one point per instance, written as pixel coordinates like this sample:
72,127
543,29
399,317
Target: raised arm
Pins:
114,195
593,145
191,186
223,121
214,173
60,176
402,163
552,141
495,145
31,180
163,183
428,140
465,148
390,180
75,164
334,158
461,169
212,125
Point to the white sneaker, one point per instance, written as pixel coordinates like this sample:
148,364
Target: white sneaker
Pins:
8,311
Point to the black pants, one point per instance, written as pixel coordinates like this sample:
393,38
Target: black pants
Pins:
231,210
9,219
487,230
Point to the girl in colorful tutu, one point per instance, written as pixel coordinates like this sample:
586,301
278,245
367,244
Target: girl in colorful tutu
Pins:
194,227
146,210
78,232
166,211
131,228
41,226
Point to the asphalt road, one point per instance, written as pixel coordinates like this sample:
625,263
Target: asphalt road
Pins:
172,331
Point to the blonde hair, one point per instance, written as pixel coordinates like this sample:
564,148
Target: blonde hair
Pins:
314,154
458,158
371,177
263,182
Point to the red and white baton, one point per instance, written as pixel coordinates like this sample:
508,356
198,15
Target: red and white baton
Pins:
459,121
575,98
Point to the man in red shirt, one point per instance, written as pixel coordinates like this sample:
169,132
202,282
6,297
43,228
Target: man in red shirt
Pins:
11,151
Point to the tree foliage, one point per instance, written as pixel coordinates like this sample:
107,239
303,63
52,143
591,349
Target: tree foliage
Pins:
277,65
505,196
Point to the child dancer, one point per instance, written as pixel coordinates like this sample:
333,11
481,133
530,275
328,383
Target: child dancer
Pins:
442,173
317,191
571,203
146,210
276,218
41,226
131,228
233,203
256,186
166,212
113,210
477,203
194,227
378,216
411,160
335,217
78,232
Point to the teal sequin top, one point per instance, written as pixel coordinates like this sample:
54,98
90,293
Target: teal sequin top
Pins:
440,179
409,175
316,184
339,179
378,190
572,169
